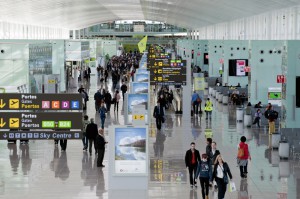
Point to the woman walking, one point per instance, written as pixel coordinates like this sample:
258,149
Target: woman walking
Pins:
220,174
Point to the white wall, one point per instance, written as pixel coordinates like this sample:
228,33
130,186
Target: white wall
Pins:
275,25
14,64
24,31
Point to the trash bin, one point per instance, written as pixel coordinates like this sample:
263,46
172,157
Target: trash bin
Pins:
247,120
276,137
284,149
239,114
220,97
225,99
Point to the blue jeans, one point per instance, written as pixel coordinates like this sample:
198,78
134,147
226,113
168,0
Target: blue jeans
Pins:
102,122
85,141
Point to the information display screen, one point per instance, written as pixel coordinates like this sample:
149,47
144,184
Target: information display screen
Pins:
131,151
168,72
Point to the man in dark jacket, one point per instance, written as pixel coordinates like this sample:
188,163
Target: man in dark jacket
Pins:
91,134
123,89
159,114
192,157
98,97
100,142
107,100
208,148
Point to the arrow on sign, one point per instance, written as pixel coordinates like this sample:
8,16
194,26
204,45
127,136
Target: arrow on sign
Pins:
2,105
5,136
2,124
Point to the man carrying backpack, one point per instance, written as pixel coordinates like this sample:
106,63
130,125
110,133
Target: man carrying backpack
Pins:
271,115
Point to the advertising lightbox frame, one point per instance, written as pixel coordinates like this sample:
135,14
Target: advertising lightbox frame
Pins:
113,149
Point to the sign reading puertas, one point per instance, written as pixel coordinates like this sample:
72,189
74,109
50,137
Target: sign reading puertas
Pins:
16,101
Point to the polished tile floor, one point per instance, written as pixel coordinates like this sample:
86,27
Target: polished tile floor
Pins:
41,170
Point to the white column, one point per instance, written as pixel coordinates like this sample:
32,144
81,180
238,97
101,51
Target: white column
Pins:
187,92
74,34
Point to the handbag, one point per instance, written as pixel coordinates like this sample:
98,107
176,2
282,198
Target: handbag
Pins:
225,177
199,100
232,187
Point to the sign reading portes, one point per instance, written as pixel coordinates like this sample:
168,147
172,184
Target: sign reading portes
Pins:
40,120
16,101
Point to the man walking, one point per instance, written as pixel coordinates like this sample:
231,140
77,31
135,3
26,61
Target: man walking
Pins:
84,138
123,89
192,157
100,142
159,114
91,134
97,97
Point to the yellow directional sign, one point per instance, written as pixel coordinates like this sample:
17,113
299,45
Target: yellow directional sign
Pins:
14,103
51,81
138,117
2,105
14,122
159,78
155,64
160,64
2,124
160,71
155,71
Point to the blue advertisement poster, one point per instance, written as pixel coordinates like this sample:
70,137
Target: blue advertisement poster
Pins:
141,77
130,150
142,71
140,87
136,99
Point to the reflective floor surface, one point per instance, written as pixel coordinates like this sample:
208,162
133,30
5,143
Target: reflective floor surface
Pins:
40,170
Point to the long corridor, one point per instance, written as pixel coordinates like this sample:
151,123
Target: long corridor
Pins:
41,170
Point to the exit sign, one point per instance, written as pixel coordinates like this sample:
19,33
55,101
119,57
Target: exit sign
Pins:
281,79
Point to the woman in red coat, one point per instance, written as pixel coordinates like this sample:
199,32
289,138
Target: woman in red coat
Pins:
243,156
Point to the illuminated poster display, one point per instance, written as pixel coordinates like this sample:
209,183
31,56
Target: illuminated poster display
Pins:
240,67
142,71
132,100
139,87
141,78
131,151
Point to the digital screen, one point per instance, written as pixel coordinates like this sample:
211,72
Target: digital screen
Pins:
237,67
205,55
274,95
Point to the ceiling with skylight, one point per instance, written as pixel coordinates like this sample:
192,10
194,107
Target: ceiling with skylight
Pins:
78,14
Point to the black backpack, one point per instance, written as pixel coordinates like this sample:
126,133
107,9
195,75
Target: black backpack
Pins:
271,114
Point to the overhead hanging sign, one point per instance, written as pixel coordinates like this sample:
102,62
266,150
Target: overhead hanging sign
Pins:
16,101
170,72
40,120
42,135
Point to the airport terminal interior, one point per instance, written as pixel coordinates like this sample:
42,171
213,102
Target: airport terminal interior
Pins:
152,77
